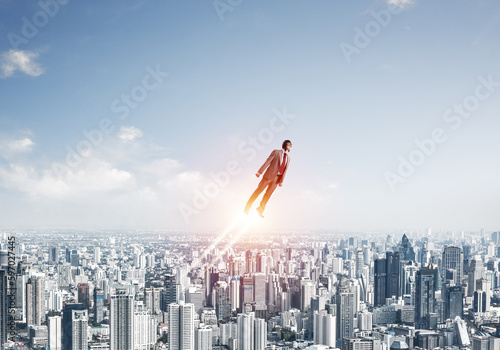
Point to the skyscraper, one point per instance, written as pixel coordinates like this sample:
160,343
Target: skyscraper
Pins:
172,292
408,271
54,253
181,326
144,329
392,288
252,332
55,333
67,324
80,321
34,301
261,262
425,297
453,299
259,289
84,294
152,300
476,271
98,305
97,255
211,277
325,328
223,307
234,293
406,251
122,318
346,315
203,338
359,262
380,282
246,291
453,260
260,334
246,331
482,296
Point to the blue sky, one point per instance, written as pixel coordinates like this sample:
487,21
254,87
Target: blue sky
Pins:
222,78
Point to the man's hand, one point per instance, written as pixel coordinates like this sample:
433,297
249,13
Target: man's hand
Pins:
281,185
258,174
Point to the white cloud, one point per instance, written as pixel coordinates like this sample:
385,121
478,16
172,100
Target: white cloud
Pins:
19,60
129,133
400,3
12,146
22,145
332,186
95,176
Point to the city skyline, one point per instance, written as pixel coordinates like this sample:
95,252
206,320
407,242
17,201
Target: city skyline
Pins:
95,290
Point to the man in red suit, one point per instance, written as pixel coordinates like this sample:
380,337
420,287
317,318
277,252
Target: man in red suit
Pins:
277,165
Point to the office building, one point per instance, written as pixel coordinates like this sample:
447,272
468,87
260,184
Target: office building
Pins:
55,333
453,260
79,328
122,318
427,283
181,326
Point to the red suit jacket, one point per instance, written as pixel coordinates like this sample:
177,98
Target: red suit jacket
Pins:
273,164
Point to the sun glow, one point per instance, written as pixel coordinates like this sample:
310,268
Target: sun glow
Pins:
238,226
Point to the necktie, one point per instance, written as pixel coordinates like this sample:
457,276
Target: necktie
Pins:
282,168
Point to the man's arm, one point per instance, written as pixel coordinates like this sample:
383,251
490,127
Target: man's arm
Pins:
266,164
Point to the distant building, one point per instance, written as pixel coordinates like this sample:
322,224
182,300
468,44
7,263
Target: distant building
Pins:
152,300
252,332
453,259
38,336
122,318
203,338
55,333
172,292
325,328
35,301
222,303
361,344
427,284
454,301
476,271
67,324
181,326
380,273
80,322
406,251
346,310
482,296
84,294
98,305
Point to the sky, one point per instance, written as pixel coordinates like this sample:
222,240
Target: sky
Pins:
138,114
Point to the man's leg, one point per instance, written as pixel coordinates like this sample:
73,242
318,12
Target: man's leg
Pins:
270,189
262,185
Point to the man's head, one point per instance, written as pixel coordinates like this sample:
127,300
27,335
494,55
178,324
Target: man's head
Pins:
287,145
